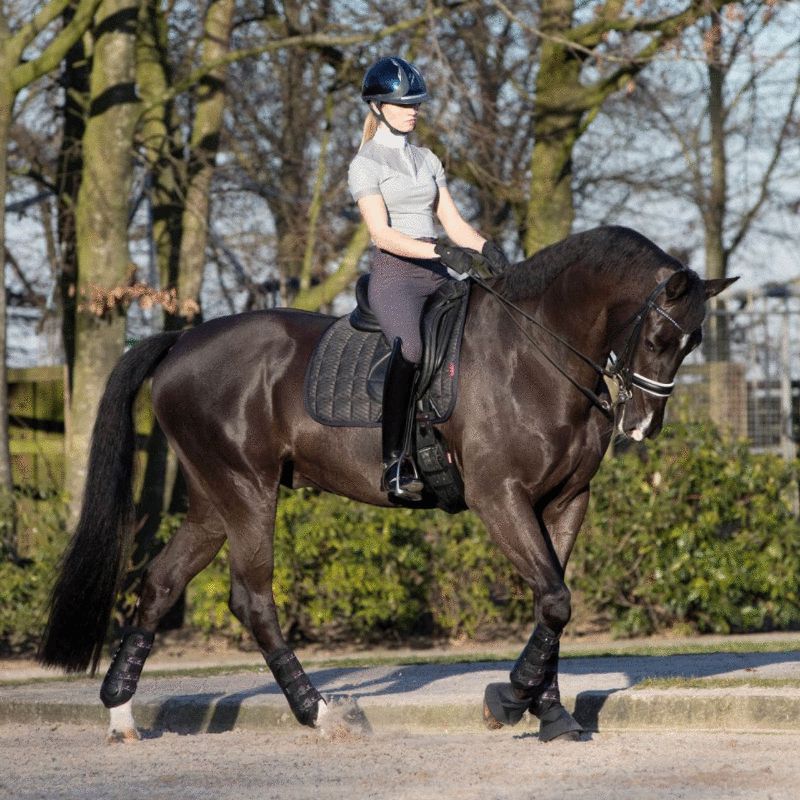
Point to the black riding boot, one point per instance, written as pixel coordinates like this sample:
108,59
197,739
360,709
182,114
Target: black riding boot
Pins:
400,476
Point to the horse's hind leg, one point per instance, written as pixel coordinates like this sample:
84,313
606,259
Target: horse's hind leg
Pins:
189,550
253,603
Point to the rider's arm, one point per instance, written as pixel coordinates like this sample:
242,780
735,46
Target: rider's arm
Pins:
456,227
373,210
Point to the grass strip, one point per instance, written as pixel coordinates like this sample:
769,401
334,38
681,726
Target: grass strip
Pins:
718,683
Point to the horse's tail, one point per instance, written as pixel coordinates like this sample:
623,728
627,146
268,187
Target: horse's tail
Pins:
84,593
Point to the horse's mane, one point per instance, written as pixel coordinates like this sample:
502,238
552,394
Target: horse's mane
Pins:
608,249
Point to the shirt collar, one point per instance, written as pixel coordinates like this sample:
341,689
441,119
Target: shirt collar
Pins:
386,138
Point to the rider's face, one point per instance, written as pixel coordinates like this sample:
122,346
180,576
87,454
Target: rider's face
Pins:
401,118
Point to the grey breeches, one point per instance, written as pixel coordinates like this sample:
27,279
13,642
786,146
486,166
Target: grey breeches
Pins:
398,289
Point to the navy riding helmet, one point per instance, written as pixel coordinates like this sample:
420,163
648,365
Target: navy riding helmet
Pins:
393,80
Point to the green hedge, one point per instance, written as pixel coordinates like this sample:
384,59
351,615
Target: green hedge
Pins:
690,531
32,537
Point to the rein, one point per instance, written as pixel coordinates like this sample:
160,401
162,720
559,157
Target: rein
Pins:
619,371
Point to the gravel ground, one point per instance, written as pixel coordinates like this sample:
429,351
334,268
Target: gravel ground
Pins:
66,762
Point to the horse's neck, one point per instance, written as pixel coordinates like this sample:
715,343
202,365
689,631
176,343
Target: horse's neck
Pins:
585,308
582,306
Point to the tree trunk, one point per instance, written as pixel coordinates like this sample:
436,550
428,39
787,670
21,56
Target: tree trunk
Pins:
70,163
179,230
556,125
102,224
203,151
313,298
161,144
291,225
6,103
159,139
715,344
15,74
714,217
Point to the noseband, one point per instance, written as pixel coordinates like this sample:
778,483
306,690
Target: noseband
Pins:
620,369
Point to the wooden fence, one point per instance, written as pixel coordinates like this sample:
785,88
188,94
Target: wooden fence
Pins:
37,429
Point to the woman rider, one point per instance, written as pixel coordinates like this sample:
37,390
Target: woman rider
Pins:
398,187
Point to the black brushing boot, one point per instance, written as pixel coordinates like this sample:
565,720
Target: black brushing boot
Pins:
400,476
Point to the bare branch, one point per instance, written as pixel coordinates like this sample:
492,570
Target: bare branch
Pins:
319,41
27,33
26,73
752,213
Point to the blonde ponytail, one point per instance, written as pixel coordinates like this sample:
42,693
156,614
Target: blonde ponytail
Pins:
370,126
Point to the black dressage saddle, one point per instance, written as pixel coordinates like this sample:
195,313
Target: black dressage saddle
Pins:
344,381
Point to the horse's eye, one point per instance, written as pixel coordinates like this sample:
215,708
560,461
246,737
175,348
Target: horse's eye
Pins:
649,346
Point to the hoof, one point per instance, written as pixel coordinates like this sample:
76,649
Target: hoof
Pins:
123,737
341,718
501,706
121,726
558,724
571,736
488,719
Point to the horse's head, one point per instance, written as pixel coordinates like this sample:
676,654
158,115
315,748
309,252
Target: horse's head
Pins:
666,329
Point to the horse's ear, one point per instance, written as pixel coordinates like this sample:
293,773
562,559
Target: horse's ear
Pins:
715,286
677,284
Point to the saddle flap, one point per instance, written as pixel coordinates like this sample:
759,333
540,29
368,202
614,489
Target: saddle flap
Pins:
438,323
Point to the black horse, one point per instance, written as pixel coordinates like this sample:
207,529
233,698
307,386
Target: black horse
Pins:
531,424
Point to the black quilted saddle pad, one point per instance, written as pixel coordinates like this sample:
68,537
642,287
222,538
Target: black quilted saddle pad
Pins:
337,390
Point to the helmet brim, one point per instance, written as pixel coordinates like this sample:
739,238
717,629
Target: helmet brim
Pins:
410,100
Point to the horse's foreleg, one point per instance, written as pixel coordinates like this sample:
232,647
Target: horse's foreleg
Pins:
533,687
253,604
561,520
189,550
534,678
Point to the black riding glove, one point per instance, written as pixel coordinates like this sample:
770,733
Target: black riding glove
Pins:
496,257
459,259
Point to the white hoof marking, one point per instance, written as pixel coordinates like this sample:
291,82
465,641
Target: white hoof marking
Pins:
121,727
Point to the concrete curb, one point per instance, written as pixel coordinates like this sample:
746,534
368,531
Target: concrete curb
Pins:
743,691
263,708
596,711
740,709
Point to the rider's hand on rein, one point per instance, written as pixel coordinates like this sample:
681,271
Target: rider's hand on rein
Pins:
496,257
463,260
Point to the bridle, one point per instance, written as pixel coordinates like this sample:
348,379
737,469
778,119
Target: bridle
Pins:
619,367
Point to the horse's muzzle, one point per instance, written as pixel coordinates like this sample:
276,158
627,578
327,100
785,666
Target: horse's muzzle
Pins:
648,426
